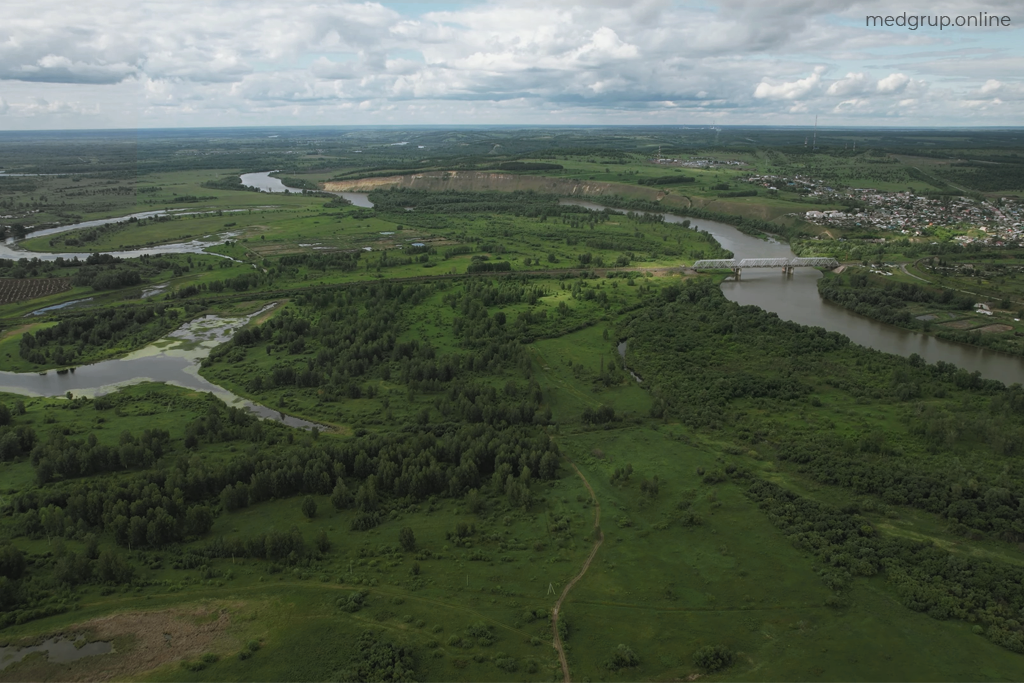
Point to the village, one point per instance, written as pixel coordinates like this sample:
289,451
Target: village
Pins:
998,221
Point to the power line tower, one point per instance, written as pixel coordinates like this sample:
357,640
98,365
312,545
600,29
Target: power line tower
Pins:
814,144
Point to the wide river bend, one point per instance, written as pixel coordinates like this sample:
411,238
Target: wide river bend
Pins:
795,297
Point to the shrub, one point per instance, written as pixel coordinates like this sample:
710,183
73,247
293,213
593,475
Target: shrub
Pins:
622,657
407,539
711,658
509,664
353,603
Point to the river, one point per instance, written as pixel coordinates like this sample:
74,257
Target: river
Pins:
174,359
795,297
267,183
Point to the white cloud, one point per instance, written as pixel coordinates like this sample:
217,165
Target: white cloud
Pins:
852,84
893,83
173,62
789,90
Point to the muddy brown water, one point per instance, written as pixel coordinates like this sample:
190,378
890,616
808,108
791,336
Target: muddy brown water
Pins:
795,297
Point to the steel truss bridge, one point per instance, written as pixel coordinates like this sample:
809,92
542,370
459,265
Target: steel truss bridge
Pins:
785,264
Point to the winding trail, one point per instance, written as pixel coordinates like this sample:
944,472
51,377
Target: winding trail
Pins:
568,587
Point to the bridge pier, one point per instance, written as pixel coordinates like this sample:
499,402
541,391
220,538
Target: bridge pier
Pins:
736,273
787,270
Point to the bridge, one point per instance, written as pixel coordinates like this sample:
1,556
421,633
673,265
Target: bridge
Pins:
787,265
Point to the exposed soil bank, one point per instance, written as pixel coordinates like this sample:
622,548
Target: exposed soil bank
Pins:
147,640
437,181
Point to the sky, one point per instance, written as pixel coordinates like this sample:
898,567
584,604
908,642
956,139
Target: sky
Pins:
185,63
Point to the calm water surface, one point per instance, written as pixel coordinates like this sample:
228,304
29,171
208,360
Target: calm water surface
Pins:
174,359
795,297
267,183
57,650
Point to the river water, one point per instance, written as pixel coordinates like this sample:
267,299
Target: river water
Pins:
267,183
174,359
795,297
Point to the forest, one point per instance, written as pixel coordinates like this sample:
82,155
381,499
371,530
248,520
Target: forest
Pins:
916,307
515,421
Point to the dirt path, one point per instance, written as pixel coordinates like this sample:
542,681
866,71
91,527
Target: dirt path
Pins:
568,587
903,267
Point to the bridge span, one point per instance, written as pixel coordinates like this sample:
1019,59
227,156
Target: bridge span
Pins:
787,265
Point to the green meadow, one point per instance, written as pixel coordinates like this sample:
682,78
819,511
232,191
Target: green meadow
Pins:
770,501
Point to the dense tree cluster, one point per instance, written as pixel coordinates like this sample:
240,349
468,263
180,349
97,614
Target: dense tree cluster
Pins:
77,336
61,458
106,278
156,507
887,302
489,267
667,180
344,261
715,360
927,578
531,204
336,340
99,271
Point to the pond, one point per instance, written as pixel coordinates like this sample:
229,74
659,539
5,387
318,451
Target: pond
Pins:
59,650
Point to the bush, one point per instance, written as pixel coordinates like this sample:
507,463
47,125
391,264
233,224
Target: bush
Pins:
622,657
711,658
309,507
509,664
407,539
353,603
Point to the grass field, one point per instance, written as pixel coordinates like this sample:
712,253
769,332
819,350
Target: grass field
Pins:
459,583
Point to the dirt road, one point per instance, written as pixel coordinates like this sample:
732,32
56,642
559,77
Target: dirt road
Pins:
568,587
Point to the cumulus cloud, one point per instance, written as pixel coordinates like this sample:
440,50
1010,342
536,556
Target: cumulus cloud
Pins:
991,85
741,61
893,83
789,90
852,84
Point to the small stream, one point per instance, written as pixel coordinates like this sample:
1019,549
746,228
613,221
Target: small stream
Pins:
622,353
58,307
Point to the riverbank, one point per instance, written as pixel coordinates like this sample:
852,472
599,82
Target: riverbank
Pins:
173,359
926,309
